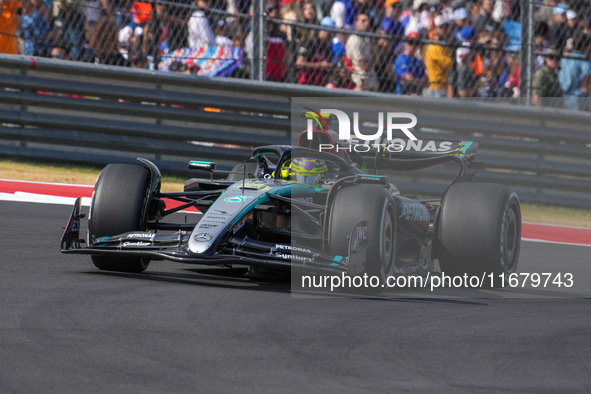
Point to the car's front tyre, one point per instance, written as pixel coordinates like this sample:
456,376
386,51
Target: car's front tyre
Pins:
119,205
373,204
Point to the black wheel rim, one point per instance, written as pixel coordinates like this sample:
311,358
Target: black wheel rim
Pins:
510,241
388,242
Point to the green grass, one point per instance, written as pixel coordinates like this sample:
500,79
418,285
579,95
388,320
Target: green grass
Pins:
87,175
556,215
27,170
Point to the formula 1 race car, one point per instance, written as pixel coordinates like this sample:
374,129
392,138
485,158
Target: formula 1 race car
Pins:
296,207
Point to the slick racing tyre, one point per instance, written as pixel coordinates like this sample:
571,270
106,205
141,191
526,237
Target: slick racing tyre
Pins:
478,231
119,205
370,203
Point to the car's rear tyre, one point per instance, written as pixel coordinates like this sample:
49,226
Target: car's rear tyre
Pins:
354,204
479,231
119,205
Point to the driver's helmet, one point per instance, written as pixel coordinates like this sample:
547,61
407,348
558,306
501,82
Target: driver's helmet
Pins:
305,170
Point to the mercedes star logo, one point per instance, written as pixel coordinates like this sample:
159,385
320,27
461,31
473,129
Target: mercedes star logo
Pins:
202,237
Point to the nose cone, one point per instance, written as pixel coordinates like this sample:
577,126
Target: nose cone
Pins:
232,205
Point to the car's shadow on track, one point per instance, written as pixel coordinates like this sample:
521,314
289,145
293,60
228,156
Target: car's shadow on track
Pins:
235,278
212,277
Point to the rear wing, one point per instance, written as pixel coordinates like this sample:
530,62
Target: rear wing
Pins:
421,149
408,155
405,154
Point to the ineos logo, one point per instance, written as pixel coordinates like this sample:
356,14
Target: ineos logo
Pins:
202,237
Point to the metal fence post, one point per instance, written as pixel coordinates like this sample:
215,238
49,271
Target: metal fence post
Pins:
527,33
258,40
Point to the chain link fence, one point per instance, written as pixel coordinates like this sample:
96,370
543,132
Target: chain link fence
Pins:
434,48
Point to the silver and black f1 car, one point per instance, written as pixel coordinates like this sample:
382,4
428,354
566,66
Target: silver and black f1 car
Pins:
297,207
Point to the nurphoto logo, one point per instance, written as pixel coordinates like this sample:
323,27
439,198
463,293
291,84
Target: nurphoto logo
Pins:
345,125
360,142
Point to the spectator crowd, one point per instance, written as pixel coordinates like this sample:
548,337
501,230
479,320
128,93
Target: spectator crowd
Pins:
433,48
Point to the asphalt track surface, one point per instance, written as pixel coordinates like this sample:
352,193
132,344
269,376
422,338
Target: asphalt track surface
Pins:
69,328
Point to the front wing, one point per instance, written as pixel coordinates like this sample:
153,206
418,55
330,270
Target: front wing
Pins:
173,247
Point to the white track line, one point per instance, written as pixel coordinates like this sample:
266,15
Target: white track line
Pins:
554,242
46,183
47,199
42,198
558,225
